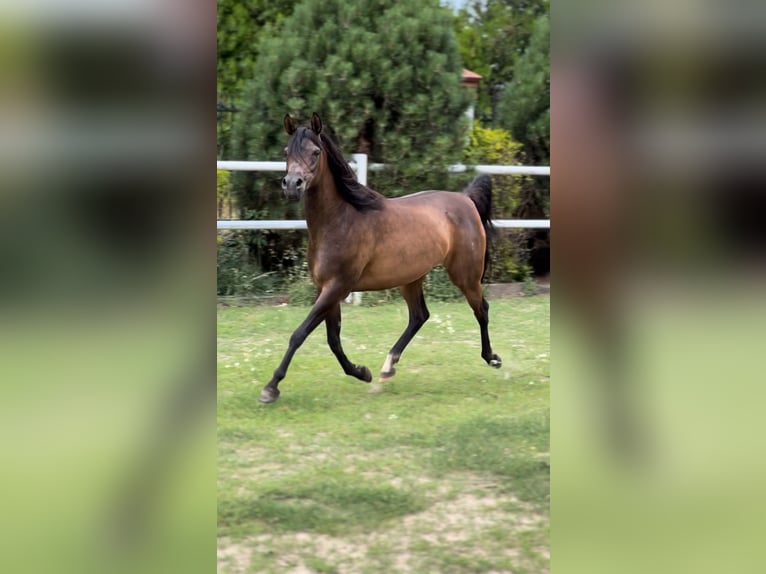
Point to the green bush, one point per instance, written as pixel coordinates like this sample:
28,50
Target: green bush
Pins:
236,274
375,298
300,288
223,181
509,254
438,286
529,288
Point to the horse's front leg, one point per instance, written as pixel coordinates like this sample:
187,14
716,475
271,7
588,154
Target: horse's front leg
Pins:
329,297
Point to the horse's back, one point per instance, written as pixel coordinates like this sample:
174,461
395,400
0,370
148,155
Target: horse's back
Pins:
417,232
459,219
457,208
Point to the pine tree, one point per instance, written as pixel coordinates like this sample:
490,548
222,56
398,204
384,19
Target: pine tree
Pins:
525,106
525,110
241,25
492,35
383,74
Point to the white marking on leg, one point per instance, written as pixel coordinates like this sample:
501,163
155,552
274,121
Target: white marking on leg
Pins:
388,365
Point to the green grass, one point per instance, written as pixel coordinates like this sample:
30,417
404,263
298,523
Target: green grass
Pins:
443,470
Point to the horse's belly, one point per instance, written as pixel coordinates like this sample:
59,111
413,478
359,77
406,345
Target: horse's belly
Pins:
396,269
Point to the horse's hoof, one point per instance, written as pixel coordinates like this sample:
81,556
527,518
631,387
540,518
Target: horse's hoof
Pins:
495,362
387,376
269,395
364,374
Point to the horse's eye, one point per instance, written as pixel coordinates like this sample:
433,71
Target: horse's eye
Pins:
315,153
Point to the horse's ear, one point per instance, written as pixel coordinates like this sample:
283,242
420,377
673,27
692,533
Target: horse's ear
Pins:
289,125
316,123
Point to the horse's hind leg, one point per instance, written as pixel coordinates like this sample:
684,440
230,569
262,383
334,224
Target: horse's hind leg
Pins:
333,340
480,308
416,304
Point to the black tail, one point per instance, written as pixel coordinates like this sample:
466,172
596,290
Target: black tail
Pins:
480,192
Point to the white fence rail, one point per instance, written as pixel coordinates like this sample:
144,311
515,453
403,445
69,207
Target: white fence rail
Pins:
360,158
360,166
276,224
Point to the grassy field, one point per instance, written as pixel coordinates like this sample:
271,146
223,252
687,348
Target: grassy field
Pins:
444,469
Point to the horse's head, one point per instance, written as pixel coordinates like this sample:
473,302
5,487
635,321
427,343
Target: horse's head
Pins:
303,155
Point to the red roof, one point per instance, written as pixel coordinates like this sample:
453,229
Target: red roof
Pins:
470,78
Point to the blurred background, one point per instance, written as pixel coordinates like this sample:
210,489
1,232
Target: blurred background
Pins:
658,315
106,316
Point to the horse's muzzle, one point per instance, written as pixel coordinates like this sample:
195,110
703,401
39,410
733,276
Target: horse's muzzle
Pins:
293,186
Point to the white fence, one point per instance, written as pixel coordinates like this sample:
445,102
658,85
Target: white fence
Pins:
360,165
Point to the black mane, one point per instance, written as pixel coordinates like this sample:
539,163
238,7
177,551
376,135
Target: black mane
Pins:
361,197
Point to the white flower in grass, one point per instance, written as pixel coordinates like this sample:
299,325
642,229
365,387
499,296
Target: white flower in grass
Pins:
392,417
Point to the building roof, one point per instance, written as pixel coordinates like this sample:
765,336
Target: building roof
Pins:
470,78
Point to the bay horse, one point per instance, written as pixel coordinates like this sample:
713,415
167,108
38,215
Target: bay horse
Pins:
359,240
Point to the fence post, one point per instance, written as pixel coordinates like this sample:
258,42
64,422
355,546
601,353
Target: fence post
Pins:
361,167
361,175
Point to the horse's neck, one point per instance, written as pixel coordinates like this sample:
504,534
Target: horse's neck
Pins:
323,205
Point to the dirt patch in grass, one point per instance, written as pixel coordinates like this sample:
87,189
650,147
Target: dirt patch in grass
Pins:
478,531
234,556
